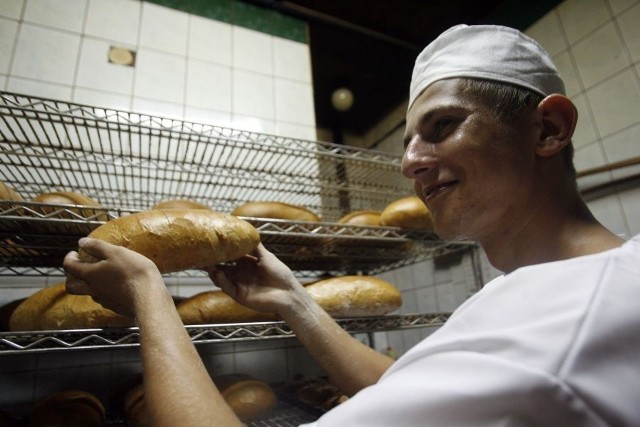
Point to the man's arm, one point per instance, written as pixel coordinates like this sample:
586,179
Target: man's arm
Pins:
269,285
178,388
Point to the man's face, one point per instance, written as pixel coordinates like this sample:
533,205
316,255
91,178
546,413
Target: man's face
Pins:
474,172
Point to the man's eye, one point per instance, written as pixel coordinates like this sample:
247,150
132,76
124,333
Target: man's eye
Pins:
442,124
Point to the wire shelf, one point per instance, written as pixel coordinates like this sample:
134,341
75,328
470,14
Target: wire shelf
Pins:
111,338
129,160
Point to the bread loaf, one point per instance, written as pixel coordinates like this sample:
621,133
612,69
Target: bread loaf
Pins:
68,408
275,210
8,193
71,198
135,408
248,397
180,239
53,308
6,311
180,204
355,296
369,218
408,212
217,307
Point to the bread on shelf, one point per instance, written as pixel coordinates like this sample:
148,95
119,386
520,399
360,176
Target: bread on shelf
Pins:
179,204
52,308
407,212
215,306
355,296
275,210
362,217
68,408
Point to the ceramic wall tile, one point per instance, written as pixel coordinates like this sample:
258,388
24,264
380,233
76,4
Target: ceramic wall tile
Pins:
426,300
253,124
46,54
547,31
621,146
253,94
8,35
91,379
3,82
206,116
96,72
160,76
615,102
600,55
608,211
628,22
587,157
164,29
208,85
65,15
294,102
210,40
293,130
447,301
300,364
114,20
291,60
99,98
157,108
630,200
619,6
569,74
11,8
38,88
252,51
579,17
585,132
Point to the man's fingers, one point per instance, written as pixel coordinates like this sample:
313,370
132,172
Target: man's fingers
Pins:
76,286
96,248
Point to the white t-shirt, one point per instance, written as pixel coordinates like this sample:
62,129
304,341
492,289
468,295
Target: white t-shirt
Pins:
554,344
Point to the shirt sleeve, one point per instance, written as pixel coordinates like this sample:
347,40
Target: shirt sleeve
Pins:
461,388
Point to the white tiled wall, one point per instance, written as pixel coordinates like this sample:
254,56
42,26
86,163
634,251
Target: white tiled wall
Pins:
186,66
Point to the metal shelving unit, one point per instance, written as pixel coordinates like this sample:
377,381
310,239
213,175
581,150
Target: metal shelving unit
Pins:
110,338
128,162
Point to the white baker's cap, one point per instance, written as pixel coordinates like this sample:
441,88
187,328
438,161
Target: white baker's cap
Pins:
488,52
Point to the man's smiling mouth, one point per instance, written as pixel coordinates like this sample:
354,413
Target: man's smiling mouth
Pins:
433,190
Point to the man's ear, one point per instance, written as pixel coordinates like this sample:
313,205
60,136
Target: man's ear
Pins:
559,117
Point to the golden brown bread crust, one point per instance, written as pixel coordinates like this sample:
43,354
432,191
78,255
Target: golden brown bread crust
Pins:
53,308
355,296
370,218
71,198
68,408
180,239
8,193
217,307
408,212
275,210
247,396
180,204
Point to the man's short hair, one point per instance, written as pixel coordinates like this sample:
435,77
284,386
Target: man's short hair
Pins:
508,102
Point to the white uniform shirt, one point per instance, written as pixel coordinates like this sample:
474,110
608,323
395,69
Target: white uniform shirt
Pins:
554,344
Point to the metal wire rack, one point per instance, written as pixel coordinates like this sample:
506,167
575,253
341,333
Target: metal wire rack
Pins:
129,162
110,338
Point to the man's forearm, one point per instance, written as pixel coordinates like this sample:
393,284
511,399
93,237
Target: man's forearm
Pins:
178,388
350,365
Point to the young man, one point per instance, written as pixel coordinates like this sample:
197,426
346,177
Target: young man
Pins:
552,342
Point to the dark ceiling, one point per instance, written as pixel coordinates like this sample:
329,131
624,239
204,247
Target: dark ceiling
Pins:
369,46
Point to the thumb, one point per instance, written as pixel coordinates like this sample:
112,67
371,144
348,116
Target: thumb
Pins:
96,248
